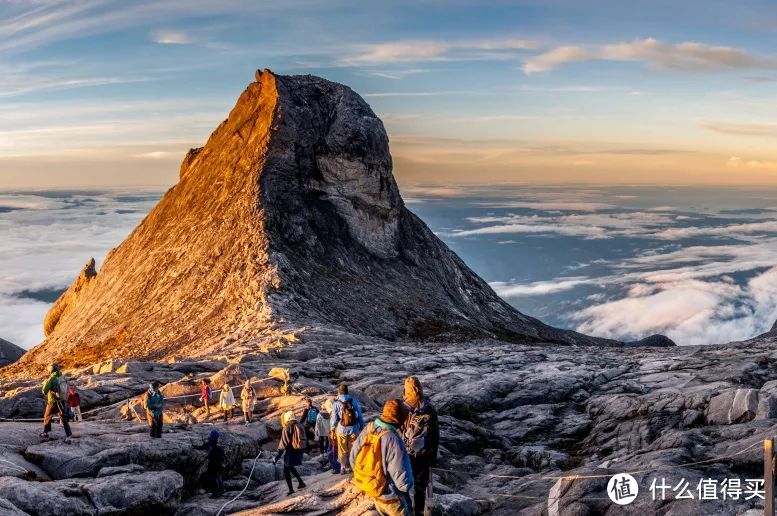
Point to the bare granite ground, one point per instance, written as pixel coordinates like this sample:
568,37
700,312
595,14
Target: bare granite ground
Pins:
511,416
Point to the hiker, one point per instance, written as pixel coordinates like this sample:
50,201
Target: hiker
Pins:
292,446
227,402
74,403
381,465
205,396
55,401
309,418
347,421
155,404
248,398
422,439
321,430
213,479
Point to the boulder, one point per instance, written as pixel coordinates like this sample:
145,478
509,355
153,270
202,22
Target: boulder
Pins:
454,505
733,406
122,494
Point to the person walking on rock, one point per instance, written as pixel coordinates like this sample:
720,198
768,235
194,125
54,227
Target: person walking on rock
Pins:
347,421
292,446
227,402
248,399
213,477
54,402
381,465
321,430
421,434
205,396
74,403
155,404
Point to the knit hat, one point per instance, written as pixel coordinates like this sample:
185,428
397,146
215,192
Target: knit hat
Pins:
413,393
287,417
214,435
394,412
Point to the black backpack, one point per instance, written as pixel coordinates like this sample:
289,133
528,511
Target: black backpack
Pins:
349,417
416,435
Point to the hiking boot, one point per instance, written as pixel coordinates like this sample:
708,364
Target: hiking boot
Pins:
301,485
291,492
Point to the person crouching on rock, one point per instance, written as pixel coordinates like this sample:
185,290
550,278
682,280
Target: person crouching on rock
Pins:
381,465
421,434
347,421
74,403
213,478
292,446
155,404
248,397
54,402
227,402
205,395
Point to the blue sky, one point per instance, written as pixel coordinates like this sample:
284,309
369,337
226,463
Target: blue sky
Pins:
112,93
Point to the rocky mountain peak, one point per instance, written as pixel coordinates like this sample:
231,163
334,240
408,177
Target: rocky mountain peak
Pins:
288,218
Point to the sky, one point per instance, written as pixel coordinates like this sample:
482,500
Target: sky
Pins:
112,93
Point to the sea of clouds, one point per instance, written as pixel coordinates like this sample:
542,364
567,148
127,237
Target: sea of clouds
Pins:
701,270
698,265
47,237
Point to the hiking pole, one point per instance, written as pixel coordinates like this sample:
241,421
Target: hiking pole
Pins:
768,477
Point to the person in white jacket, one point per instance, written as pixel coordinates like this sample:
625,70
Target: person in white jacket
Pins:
227,402
321,430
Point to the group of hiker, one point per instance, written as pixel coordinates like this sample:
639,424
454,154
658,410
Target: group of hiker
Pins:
389,458
227,400
62,400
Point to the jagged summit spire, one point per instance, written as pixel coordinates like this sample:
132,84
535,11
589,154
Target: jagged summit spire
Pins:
288,217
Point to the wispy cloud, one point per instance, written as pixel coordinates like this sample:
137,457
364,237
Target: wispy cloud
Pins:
443,93
686,56
171,37
417,51
761,129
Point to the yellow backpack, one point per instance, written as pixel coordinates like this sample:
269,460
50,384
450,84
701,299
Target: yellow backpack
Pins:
368,474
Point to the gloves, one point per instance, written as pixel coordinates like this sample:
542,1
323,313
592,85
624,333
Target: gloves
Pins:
275,460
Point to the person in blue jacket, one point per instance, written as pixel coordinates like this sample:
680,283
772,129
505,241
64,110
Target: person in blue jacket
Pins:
347,422
395,461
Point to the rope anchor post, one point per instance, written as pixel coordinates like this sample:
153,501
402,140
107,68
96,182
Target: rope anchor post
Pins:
768,477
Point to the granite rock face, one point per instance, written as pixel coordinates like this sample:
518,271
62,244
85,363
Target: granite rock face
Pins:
288,217
9,352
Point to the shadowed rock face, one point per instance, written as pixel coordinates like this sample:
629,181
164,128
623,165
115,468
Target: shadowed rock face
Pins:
9,352
288,217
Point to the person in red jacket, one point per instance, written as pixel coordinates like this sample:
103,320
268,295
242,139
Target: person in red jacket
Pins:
205,396
74,402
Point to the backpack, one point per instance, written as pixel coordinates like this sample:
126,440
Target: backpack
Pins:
368,474
62,388
299,439
312,415
416,434
349,416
